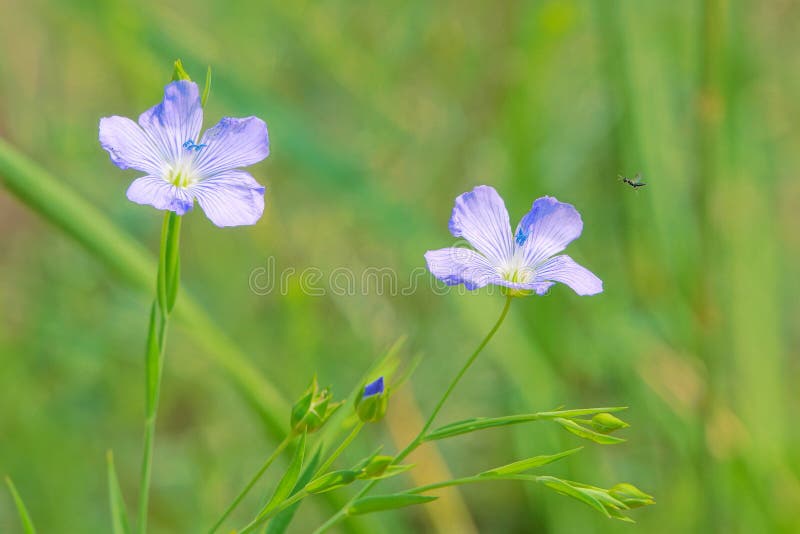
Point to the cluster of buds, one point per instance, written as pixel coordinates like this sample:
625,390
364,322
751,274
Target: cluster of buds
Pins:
313,409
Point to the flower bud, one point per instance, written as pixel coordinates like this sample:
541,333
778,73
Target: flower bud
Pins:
376,466
630,495
372,403
606,423
313,409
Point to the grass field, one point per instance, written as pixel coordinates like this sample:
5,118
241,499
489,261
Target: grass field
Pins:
380,114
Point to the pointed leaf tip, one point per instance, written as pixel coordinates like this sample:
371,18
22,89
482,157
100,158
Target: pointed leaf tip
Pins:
178,72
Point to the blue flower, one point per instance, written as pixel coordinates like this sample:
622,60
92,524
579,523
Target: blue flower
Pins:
523,261
373,388
180,170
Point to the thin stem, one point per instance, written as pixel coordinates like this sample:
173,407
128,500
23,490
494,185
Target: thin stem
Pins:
149,436
470,480
167,284
342,513
281,446
349,439
463,370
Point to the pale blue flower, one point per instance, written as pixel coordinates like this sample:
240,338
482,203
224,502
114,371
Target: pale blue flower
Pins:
182,166
522,261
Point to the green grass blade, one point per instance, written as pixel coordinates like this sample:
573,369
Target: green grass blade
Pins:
24,516
206,88
380,503
119,515
79,219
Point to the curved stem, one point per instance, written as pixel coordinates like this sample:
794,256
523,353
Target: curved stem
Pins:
342,513
278,450
463,370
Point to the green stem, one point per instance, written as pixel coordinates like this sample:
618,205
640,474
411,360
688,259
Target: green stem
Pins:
166,290
283,444
349,439
342,513
470,480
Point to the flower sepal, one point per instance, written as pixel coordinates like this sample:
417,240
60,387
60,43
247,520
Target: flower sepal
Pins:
372,402
513,292
313,409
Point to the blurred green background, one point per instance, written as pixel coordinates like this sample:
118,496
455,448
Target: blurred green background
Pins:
379,115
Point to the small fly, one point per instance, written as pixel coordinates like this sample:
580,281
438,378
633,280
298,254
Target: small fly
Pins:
636,183
189,145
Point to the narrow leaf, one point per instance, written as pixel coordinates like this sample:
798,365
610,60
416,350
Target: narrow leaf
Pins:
368,505
119,515
289,479
530,463
589,434
207,88
178,73
331,481
562,487
280,522
27,524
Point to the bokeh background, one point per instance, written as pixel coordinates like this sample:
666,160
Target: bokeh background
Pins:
379,115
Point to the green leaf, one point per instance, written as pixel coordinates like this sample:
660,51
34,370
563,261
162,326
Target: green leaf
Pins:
289,478
530,463
119,515
586,433
207,88
564,488
368,505
331,481
178,73
27,524
280,522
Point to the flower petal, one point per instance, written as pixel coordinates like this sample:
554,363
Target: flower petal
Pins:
128,145
564,269
157,192
457,265
547,229
231,144
177,119
232,198
480,217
